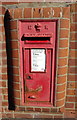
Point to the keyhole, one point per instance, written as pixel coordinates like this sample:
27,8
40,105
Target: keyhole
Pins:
28,77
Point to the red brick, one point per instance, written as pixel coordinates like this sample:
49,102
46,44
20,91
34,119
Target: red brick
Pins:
71,99
23,115
3,53
30,1
2,10
7,115
72,77
58,116
75,105
29,109
69,105
62,71
0,63
9,3
60,95
15,54
3,83
18,13
56,11
27,12
1,20
47,12
69,114
37,12
73,7
2,37
6,110
61,79
1,95
4,103
4,77
64,23
17,94
3,46
66,12
73,45
2,29
74,17
64,33
63,43
71,84
18,108
14,45
16,86
1,76
16,78
61,87
72,62
71,92
5,90
72,70
14,62
5,97
1,108
13,24
14,35
62,61
73,36
62,109
0,83
73,27
43,116
16,70
17,101
1,103
45,110
38,109
73,54
54,109
3,70
63,52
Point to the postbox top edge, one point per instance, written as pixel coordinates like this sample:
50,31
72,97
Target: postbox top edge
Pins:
39,20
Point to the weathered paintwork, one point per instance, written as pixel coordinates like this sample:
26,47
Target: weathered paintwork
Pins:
37,87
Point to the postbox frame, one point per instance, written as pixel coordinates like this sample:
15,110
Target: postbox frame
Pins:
22,48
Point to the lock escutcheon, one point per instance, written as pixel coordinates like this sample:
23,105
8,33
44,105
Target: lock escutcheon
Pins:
28,77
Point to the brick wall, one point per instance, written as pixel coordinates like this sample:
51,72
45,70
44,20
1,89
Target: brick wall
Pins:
71,98
65,84
3,63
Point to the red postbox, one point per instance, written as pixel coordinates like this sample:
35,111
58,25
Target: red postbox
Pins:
38,46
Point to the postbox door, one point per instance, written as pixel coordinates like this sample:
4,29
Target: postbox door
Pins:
37,74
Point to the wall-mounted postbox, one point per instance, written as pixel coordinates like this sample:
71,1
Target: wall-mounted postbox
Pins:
37,45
